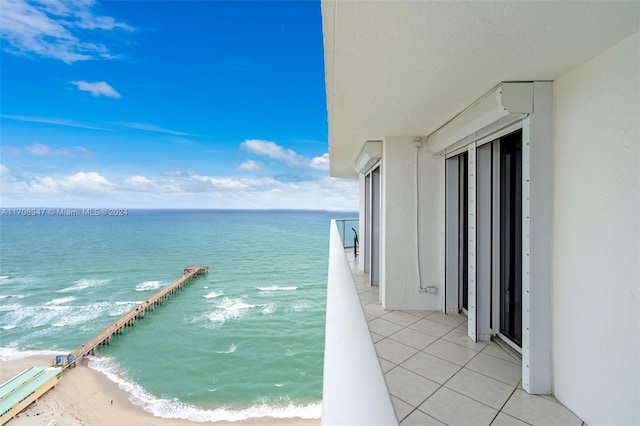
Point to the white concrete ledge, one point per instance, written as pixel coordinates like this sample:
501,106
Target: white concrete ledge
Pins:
354,388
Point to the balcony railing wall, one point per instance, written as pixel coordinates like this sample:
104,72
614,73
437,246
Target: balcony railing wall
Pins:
346,228
354,388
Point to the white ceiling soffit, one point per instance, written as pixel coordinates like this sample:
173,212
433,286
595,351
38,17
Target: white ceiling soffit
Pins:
397,68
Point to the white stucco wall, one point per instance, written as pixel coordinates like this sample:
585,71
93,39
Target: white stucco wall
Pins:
399,263
596,237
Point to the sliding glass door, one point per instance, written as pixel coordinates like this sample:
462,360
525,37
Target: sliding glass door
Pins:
511,237
463,233
457,233
374,270
372,225
484,193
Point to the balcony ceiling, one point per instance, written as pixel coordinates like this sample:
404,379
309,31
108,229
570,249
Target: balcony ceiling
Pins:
406,67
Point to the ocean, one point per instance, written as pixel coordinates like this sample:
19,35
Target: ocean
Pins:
245,340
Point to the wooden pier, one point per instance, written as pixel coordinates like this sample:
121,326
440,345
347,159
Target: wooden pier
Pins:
129,319
28,386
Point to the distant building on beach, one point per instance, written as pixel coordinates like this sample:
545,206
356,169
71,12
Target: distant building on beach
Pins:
25,388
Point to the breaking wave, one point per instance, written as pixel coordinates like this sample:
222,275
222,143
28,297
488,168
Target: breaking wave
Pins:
174,409
231,349
277,288
128,303
148,285
83,284
299,305
212,295
229,309
269,308
11,354
52,314
61,301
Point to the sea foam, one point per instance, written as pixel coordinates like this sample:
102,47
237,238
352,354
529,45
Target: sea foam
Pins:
52,314
269,308
231,349
61,301
148,285
72,315
277,288
11,354
83,284
229,309
299,305
10,307
174,409
127,303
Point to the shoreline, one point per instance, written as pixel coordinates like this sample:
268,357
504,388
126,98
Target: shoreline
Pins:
87,397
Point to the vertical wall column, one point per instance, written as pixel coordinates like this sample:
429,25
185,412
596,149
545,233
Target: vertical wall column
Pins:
484,201
471,254
411,211
537,156
452,230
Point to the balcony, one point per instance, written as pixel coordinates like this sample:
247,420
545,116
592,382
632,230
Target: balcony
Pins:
430,370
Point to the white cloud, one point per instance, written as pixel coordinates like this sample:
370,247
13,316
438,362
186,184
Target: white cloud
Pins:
50,29
323,194
190,182
250,166
79,182
99,88
39,149
83,152
216,183
43,150
4,170
144,184
138,180
273,150
320,163
178,190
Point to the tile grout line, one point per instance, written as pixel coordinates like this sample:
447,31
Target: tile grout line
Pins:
514,361
443,385
498,411
506,402
453,375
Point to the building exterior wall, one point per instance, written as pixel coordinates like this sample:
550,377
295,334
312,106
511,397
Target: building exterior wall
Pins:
596,237
400,281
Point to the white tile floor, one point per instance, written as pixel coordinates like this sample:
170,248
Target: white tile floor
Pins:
436,375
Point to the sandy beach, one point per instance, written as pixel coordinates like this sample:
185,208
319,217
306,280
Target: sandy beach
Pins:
87,397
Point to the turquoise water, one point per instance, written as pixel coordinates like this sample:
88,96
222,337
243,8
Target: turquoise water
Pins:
244,340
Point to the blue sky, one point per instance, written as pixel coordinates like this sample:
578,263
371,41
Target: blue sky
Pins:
165,104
